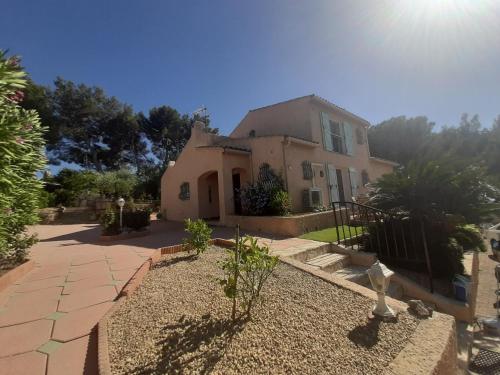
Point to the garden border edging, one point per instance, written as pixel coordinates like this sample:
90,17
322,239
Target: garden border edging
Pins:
103,363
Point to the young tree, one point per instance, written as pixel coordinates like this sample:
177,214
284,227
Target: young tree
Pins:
21,156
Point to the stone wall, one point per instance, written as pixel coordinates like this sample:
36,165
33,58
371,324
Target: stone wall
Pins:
292,226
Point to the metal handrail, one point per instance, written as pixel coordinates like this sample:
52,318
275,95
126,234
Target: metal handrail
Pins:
395,238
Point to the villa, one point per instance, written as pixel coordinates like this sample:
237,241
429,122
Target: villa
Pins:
320,150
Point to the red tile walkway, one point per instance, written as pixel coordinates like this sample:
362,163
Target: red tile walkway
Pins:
48,318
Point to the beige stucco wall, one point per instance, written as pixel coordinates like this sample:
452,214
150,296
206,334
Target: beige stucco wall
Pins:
290,118
197,161
278,129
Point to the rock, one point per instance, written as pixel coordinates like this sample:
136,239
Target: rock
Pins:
419,309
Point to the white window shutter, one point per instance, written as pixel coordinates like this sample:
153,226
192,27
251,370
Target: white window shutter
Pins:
325,126
348,138
353,177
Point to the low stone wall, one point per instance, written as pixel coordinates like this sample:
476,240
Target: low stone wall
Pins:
293,225
432,349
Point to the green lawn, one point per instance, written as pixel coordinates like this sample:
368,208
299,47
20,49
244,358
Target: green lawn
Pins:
330,234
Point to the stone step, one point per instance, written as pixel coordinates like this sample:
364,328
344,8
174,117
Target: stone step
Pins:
356,274
330,262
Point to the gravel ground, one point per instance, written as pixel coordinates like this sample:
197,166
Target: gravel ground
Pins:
178,322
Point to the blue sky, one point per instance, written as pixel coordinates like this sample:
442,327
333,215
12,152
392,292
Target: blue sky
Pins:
378,59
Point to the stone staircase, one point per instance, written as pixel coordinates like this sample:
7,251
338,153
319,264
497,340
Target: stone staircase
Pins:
341,266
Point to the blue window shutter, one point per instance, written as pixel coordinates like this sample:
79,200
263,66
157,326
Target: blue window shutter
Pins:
349,147
325,127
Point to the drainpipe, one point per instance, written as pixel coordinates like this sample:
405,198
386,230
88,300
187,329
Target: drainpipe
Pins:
286,142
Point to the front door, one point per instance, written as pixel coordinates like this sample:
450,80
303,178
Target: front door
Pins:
236,193
340,183
335,184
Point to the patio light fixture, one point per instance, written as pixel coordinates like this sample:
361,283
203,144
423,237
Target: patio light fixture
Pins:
380,277
121,202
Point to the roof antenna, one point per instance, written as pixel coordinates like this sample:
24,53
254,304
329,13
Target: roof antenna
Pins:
202,113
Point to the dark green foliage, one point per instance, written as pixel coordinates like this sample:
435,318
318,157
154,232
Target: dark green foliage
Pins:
110,222
399,138
404,140
246,270
445,197
267,196
21,157
168,132
137,220
72,186
115,184
280,203
199,236
436,190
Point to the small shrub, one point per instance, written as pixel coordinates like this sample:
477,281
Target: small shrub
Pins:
110,221
137,220
200,234
246,271
266,196
280,203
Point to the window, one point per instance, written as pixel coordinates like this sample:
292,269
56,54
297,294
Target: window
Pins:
184,193
360,138
336,135
307,170
251,133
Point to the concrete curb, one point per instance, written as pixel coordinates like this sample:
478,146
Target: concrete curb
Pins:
10,277
104,365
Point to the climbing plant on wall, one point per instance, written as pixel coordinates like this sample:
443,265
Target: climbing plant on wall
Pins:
21,156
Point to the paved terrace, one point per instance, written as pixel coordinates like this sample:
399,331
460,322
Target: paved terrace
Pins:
47,319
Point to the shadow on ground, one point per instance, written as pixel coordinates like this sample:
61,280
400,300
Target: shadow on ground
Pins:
366,335
163,233
200,342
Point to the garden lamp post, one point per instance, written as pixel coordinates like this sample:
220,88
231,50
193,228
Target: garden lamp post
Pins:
380,277
121,202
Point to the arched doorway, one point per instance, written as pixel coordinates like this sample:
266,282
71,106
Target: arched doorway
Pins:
208,196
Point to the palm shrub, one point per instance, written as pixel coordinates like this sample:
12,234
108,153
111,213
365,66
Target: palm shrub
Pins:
199,236
21,156
443,197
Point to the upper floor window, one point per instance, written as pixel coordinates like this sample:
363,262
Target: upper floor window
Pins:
360,137
251,133
337,136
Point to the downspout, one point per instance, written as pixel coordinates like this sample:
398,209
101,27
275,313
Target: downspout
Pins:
286,141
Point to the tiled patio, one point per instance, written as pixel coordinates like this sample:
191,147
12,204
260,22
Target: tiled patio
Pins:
47,319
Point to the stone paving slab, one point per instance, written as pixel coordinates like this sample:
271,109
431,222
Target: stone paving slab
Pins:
47,319
31,363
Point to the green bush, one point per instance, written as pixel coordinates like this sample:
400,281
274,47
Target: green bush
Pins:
280,203
110,222
266,196
115,184
445,197
21,157
246,270
200,234
137,220
73,186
